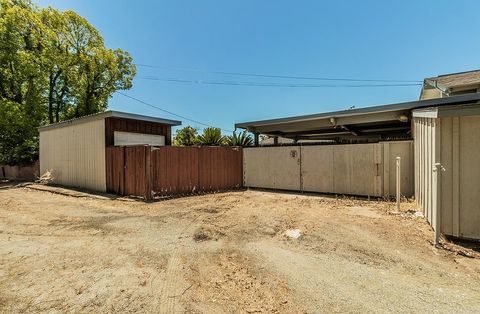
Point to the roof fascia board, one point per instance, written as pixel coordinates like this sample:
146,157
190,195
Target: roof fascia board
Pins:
361,111
134,116
450,111
429,113
80,120
108,114
326,123
459,111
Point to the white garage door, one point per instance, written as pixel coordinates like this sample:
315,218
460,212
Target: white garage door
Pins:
129,139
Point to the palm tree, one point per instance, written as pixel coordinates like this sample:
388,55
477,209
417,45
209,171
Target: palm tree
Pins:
241,139
211,137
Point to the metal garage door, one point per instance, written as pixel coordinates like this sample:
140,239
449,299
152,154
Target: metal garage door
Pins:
131,139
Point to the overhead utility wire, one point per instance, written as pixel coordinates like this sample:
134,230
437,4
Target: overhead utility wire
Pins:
261,84
169,112
278,76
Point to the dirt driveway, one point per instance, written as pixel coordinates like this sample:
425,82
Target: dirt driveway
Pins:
224,253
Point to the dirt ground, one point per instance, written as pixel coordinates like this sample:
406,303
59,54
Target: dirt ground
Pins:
224,252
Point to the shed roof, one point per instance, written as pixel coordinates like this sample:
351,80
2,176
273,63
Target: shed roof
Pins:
108,114
448,111
370,122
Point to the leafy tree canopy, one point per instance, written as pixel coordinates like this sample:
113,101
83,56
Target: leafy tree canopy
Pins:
186,136
53,66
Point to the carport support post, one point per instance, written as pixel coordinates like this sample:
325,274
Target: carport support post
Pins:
398,160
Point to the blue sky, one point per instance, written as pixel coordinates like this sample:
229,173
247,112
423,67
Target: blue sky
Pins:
392,40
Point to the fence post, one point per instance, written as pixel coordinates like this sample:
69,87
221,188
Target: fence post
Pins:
124,176
148,173
398,164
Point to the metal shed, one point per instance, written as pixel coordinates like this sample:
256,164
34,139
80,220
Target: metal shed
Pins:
74,150
447,168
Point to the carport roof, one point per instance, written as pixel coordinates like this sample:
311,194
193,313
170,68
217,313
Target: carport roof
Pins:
371,122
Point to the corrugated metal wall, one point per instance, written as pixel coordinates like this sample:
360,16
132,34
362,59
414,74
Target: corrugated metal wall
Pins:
455,143
426,133
358,169
75,154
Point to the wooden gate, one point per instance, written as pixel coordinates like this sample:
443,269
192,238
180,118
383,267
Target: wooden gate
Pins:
146,171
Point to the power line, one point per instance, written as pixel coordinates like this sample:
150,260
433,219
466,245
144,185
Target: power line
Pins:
295,77
261,84
169,112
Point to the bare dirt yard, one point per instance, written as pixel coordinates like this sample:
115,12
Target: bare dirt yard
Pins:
224,252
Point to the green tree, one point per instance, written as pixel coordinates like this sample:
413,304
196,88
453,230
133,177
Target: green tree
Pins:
53,66
211,137
186,136
240,139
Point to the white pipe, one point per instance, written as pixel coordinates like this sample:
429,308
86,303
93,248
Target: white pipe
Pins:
437,202
398,159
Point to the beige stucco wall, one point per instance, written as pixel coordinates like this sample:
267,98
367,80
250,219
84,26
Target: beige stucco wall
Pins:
343,169
75,154
392,150
360,169
458,151
272,167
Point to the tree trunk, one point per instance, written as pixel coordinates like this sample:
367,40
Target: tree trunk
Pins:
50,98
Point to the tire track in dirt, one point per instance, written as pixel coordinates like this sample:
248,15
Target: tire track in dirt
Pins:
171,290
169,300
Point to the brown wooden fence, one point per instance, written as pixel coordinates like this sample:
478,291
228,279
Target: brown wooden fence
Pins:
145,171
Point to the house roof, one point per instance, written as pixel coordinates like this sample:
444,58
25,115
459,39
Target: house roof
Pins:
108,114
449,81
371,122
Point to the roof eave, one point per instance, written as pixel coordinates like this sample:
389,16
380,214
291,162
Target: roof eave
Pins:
448,111
406,106
108,114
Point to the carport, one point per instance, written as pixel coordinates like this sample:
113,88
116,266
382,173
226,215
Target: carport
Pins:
356,150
